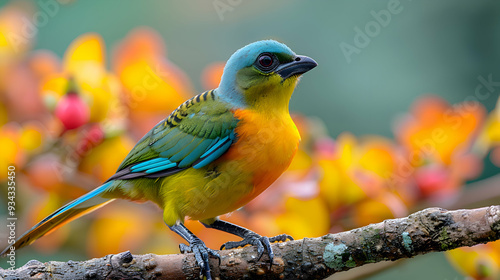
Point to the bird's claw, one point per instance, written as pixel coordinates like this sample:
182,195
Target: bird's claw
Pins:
263,243
281,237
201,254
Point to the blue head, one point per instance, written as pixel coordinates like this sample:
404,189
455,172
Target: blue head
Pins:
262,73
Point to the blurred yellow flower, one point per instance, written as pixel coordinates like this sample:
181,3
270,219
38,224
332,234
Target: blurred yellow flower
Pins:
84,62
38,210
299,222
375,210
15,37
490,134
481,262
84,59
311,131
11,151
152,83
117,229
377,156
18,142
356,169
32,137
3,114
103,161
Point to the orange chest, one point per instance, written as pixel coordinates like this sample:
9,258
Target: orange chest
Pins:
265,146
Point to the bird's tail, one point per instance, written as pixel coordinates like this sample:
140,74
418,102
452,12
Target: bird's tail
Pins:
76,208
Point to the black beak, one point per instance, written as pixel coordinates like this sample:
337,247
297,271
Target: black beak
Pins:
299,66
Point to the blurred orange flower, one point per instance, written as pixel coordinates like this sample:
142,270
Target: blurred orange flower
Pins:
211,75
22,92
437,139
153,85
434,131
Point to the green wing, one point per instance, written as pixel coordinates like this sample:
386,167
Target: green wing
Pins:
195,134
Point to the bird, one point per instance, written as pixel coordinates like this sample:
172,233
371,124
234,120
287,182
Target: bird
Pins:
212,155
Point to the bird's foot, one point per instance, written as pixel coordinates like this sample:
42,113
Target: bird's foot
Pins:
263,243
201,254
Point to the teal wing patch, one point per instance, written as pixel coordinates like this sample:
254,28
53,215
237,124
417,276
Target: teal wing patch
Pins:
194,135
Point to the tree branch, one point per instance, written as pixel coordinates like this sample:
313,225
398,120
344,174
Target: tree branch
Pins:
429,230
477,194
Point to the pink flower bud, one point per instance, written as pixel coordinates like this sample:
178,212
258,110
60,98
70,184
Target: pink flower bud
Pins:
72,111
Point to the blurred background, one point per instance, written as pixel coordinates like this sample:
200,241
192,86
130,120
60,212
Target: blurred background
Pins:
402,113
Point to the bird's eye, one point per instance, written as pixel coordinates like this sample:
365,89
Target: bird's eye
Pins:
266,62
